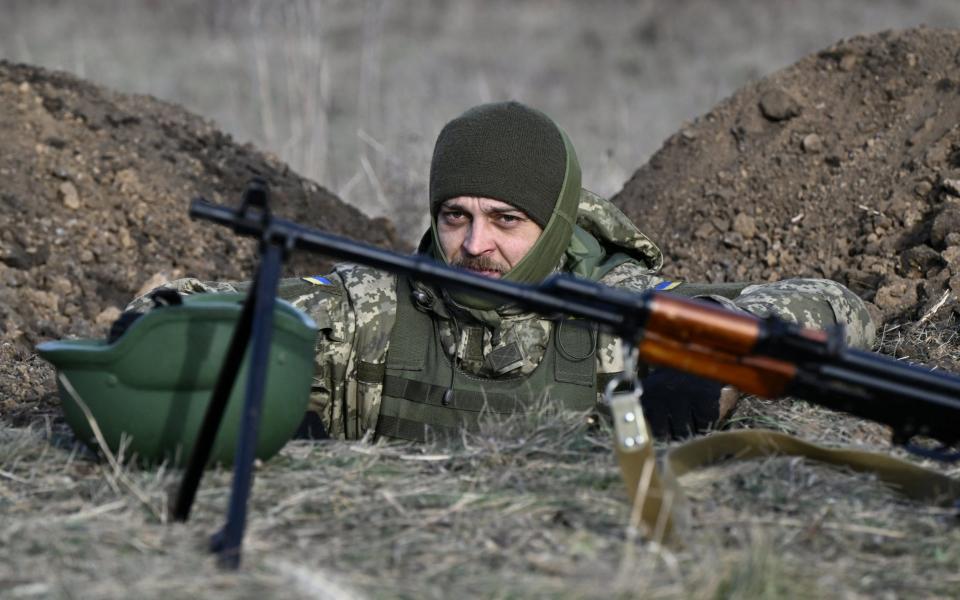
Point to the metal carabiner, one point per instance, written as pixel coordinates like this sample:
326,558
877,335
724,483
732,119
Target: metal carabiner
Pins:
622,394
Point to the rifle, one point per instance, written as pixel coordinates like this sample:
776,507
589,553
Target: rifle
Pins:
767,357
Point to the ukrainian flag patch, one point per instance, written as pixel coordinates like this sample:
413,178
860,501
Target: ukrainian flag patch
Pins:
317,280
666,285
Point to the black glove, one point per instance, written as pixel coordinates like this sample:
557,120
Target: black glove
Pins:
161,297
311,428
120,326
678,405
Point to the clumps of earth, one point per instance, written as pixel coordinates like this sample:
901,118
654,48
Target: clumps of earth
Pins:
94,191
845,165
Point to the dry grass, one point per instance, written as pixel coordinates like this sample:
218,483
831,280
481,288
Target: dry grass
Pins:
924,342
530,507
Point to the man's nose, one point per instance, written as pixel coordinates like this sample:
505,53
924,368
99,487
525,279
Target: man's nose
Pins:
479,239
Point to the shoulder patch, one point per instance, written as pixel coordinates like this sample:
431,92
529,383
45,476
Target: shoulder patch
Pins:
295,289
666,285
317,280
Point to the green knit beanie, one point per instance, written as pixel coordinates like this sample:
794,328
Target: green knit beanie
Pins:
512,153
505,151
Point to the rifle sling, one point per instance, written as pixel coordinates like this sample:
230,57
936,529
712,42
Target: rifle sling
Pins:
911,480
657,497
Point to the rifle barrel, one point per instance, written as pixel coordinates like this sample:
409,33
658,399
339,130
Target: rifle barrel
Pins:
892,369
910,410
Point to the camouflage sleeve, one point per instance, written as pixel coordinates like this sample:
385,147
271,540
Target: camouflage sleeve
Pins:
185,287
354,308
325,300
372,303
816,303
634,277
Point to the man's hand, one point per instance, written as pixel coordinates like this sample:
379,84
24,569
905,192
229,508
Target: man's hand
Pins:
678,405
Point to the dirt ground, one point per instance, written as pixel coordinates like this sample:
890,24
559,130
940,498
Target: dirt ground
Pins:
845,165
93,208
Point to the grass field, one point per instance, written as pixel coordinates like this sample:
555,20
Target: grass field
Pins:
530,507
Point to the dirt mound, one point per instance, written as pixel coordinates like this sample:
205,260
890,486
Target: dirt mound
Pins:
845,165
93,206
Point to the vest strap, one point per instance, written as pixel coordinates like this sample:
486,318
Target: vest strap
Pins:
368,372
409,332
412,420
418,391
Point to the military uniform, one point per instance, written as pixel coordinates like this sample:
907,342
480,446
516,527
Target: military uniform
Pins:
402,359
356,310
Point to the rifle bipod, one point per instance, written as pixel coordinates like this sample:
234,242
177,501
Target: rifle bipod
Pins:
254,329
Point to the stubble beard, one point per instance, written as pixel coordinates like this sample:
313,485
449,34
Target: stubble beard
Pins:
484,265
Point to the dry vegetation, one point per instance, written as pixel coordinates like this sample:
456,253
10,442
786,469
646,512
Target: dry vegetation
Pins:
530,507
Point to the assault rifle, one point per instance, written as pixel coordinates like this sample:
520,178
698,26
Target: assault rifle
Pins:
764,356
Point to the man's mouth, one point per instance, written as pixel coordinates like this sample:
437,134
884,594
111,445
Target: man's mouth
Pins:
481,265
487,273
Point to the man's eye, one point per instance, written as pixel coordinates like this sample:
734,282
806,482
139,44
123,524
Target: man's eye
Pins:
509,219
452,215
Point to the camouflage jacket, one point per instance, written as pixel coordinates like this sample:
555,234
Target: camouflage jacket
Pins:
355,309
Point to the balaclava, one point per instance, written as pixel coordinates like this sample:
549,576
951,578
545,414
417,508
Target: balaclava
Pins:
518,155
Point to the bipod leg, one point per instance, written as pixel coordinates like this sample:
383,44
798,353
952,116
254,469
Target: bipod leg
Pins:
227,542
218,404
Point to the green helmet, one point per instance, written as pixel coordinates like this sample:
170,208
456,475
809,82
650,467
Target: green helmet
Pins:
152,385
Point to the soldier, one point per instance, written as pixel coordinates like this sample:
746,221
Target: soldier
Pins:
400,359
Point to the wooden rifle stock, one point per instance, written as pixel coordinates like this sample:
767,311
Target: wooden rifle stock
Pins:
714,343
772,358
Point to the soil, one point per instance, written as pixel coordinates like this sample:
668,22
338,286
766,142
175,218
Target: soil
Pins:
93,209
845,165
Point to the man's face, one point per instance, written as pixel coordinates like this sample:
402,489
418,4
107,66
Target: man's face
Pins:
484,235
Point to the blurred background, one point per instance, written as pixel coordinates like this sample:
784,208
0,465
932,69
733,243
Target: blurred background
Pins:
353,93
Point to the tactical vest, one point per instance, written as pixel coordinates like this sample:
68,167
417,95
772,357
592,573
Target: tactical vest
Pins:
419,373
